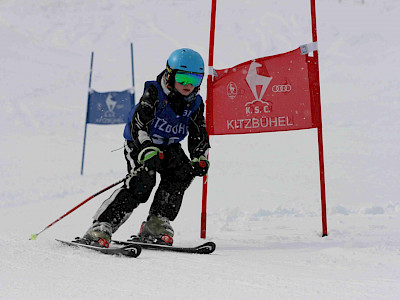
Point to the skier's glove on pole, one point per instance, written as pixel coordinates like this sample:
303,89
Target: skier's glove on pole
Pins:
151,157
200,166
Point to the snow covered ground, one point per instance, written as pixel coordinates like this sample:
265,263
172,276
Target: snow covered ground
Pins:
264,205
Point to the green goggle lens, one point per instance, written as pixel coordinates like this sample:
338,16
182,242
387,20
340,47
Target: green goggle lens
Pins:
186,78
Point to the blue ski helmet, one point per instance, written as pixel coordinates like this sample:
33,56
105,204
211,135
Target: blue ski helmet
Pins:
188,62
185,59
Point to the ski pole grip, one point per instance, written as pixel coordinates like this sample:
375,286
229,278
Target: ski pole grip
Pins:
148,153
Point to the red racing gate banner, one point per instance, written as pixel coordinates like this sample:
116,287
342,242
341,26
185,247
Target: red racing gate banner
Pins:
267,94
274,93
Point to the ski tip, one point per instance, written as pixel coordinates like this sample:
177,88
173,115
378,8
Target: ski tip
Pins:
132,250
206,248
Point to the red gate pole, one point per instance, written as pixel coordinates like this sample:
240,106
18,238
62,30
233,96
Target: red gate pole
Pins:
209,119
317,93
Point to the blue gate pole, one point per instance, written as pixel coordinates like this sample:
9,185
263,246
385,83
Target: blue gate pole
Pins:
133,78
87,113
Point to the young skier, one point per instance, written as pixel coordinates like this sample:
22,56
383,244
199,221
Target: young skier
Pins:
169,110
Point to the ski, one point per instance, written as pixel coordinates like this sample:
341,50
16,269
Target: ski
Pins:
205,248
130,250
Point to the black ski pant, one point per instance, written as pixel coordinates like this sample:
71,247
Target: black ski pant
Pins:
176,176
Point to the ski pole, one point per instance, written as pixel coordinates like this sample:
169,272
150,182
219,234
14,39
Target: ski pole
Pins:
34,236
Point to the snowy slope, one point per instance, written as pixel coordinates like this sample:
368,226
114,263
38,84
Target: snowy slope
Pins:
264,206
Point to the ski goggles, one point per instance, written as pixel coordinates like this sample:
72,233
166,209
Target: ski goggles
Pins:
186,78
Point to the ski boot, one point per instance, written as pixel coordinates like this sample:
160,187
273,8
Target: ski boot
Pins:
99,234
156,230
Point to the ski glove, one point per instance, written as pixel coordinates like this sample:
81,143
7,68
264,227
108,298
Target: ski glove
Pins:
151,157
200,166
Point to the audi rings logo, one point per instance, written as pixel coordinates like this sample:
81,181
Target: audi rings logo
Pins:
231,90
283,88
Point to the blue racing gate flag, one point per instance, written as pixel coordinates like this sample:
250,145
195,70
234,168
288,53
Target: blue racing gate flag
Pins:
109,107
106,109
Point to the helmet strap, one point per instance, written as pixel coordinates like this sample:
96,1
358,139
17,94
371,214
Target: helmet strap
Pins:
170,78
